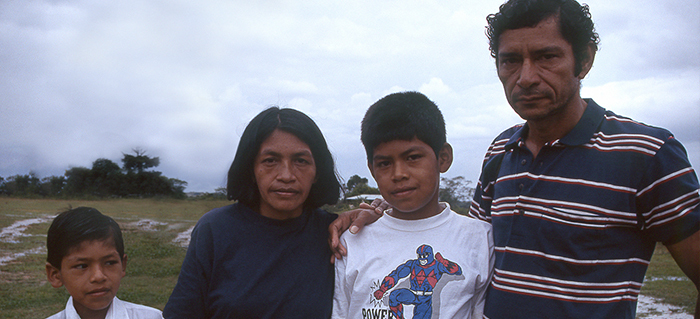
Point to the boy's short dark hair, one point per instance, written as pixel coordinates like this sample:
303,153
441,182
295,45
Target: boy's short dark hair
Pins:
73,227
241,183
403,116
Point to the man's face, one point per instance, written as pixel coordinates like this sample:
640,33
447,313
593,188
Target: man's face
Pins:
536,67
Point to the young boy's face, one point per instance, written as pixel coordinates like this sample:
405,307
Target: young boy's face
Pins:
408,176
91,273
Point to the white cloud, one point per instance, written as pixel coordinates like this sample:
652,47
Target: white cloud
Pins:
82,80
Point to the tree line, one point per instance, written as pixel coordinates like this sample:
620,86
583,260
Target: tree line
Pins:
105,179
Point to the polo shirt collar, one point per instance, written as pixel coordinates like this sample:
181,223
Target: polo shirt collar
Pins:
581,134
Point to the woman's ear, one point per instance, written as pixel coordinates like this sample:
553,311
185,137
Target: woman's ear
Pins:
53,275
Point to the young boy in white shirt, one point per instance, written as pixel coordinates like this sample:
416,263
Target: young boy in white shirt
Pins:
421,260
86,255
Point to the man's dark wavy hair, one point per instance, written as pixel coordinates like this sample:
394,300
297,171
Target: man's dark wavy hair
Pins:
575,23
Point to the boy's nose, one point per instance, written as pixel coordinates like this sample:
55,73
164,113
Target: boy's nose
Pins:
399,172
97,275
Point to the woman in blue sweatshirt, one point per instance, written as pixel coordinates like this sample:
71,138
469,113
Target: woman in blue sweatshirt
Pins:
265,256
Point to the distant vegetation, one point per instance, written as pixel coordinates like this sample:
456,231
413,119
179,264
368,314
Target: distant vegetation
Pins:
105,179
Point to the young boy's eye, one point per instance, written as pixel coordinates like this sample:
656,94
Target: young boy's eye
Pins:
414,157
381,164
80,266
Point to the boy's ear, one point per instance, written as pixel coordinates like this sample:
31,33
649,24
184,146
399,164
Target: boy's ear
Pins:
53,275
445,157
369,166
124,260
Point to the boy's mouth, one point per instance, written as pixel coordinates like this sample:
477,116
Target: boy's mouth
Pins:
98,292
403,191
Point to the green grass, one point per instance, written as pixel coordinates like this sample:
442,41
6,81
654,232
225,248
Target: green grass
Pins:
680,293
154,261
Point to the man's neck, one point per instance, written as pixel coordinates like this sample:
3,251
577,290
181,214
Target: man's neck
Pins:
543,131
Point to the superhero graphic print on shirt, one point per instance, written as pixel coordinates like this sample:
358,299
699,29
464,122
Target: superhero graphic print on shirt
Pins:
424,273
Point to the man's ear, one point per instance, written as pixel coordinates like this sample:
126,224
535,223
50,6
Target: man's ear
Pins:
587,62
445,157
53,275
369,166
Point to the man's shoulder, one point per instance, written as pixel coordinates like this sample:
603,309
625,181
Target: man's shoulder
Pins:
504,136
616,123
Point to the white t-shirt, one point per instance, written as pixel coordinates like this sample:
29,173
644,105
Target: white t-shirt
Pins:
117,310
451,283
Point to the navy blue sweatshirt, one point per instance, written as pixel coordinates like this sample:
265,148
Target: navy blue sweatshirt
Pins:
240,264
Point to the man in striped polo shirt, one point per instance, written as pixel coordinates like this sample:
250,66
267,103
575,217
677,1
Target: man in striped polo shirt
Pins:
578,196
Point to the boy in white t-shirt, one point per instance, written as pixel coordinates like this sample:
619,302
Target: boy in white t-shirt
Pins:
421,260
85,253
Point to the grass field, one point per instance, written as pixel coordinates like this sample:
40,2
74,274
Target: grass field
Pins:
154,259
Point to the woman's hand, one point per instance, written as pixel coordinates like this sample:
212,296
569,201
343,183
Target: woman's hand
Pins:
354,220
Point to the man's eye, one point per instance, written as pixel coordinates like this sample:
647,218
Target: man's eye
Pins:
80,266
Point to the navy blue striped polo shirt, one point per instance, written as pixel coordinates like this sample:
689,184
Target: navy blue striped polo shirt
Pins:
575,227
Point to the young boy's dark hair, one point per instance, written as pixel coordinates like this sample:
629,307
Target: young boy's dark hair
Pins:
403,116
73,227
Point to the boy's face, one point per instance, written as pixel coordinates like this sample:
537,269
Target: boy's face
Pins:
91,273
408,176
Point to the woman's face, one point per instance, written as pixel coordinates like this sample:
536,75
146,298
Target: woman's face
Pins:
284,173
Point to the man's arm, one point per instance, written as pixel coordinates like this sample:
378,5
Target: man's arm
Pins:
354,219
686,253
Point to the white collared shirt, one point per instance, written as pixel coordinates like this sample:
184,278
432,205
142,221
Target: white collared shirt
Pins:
117,310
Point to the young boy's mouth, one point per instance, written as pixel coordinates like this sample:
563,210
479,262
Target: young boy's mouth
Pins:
403,191
99,292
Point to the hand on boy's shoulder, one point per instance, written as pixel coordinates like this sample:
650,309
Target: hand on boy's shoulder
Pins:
354,220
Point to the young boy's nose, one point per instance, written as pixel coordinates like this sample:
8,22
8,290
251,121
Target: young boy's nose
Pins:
97,274
399,171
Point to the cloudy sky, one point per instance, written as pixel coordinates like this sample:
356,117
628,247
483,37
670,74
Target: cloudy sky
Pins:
82,80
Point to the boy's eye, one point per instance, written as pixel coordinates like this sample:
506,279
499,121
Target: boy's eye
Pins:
80,266
413,157
381,164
